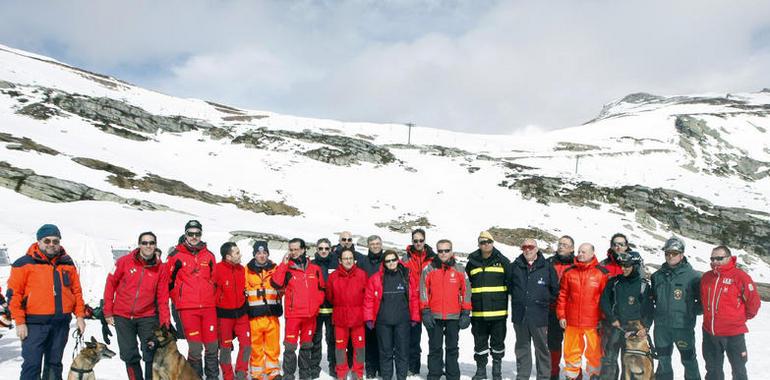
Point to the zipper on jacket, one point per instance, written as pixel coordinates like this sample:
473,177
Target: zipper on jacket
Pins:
714,303
138,287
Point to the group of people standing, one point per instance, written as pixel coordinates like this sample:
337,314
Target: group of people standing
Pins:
370,309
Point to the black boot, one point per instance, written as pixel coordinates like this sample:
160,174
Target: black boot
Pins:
134,371
481,370
497,369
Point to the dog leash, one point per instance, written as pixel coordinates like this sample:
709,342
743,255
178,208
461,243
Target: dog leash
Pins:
78,343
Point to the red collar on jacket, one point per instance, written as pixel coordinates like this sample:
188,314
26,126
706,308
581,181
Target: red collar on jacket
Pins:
587,265
142,261
725,268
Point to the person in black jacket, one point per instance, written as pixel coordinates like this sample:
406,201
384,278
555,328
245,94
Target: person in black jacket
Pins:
371,264
488,272
533,287
560,261
346,241
324,320
627,297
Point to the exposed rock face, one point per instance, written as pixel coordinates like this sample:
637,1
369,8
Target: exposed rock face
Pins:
684,214
51,189
25,144
405,223
120,132
101,165
39,111
515,236
575,147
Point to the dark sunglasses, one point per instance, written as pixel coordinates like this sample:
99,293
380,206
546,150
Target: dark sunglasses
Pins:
527,247
482,242
324,249
346,239
618,244
194,234
391,261
418,240
151,242
51,241
444,250
718,258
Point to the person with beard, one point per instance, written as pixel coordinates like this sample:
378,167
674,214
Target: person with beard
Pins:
345,291
323,260
488,272
676,294
730,298
445,301
578,310
625,298
371,264
303,286
563,259
131,296
391,305
190,276
418,255
264,309
232,320
43,293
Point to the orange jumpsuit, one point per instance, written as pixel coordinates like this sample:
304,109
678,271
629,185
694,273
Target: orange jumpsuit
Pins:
264,310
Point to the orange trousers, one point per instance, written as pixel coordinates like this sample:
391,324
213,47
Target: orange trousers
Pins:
576,341
265,347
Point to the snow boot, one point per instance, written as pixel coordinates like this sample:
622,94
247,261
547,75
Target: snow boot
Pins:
497,369
481,370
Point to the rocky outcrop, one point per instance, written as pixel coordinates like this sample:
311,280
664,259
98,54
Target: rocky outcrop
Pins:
574,147
101,165
515,236
39,111
51,189
25,144
405,223
684,214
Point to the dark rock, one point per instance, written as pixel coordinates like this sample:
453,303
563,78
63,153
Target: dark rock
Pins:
101,165
217,133
39,111
121,132
405,223
574,147
26,144
515,236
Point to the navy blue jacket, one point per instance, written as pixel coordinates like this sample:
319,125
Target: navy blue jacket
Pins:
533,289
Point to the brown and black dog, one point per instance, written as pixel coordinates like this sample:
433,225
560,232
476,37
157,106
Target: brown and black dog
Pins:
82,367
168,363
637,357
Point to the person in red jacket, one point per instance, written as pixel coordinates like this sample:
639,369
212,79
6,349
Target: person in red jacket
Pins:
190,276
391,305
345,291
729,299
131,296
303,286
579,313
445,301
232,319
43,293
418,256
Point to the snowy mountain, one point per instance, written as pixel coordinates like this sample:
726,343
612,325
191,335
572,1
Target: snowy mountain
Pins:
105,160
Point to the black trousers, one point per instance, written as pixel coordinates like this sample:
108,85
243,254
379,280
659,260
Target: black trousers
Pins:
393,346
323,322
445,331
488,339
128,330
714,348
613,341
372,352
526,336
415,336
555,333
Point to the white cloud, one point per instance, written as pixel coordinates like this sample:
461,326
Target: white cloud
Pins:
464,65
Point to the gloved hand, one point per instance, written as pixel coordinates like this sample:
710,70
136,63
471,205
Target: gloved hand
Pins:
427,319
465,319
414,323
370,325
106,333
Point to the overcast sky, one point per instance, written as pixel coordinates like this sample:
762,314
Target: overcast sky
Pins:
477,66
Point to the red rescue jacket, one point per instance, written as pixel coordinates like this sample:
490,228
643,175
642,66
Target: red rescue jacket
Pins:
373,295
445,289
580,291
132,289
729,299
303,284
230,281
190,274
345,291
416,261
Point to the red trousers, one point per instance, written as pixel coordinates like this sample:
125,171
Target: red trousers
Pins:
228,329
200,325
341,337
299,329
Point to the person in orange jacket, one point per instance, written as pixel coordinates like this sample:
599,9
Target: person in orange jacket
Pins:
44,291
264,309
232,321
579,312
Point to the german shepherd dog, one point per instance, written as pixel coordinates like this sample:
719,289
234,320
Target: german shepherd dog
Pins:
82,367
637,357
167,362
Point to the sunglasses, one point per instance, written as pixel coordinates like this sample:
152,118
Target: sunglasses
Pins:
444,250
51,241
391,261
527,247
718,258
194,234
346,239
618,244
418,241
483,242
324,249
147,242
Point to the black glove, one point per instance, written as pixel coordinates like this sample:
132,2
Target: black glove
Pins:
106,333
427,319
465,319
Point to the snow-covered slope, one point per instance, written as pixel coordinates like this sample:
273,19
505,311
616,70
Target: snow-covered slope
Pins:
188,158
